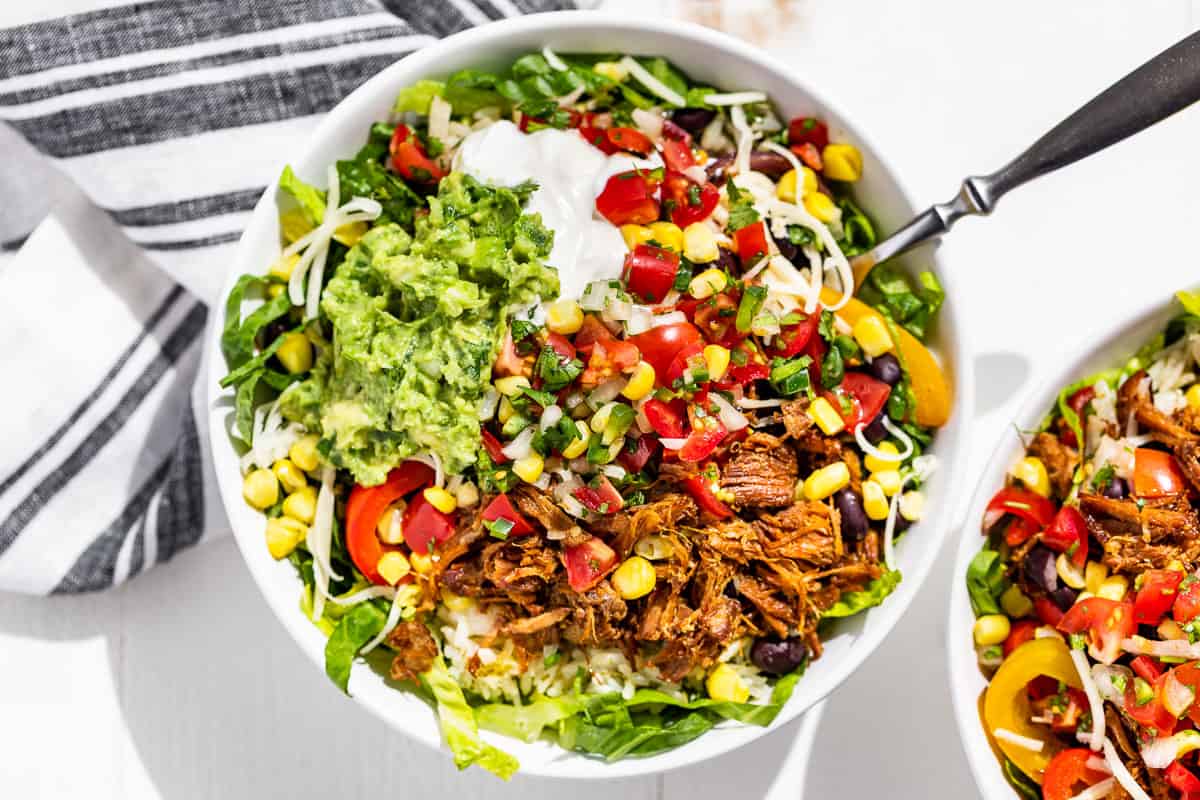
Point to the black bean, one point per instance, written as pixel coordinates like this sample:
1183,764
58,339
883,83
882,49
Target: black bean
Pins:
875,431
776,657
273,330
716,167
1064,597
887,369
786,248
1039,568
1117,489
693,120
854,519
769,163
728,261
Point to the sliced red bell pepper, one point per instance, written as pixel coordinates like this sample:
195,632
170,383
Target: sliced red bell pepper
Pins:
494,448
1021,503
366,505
1068,533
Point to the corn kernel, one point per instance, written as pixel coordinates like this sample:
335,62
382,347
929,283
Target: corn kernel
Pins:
654,547
668,235
301,505
512,385
1015,603
440,499
578,446
872,335
875,463
843,162
295,353
787,189
275,289
991,629
827,480
294,223
1113,587
390,527
350,233
1032,472
564,316
1193,397
505,410
635,235
283,534
1094,574
304,453
261,488
634,578
613,70
821,207
725,685
889,479
282,268
457,602
289,475
1071,575
641,382
529,468
827,418
912,505
875,502
700,243
701,156
716,358
392,566
707,283
422,563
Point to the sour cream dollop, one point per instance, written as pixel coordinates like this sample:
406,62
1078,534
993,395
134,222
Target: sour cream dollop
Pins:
570,174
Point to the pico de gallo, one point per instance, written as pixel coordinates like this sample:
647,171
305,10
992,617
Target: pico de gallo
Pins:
1087,593
562,402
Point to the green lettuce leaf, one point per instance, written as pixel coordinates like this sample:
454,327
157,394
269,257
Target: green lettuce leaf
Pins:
986,582
891,293
310,199
418,97
366,176
459,728
237,337
1190,301
527,722
852,603
362,624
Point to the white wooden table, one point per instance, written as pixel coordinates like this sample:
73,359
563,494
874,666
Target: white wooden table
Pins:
181,685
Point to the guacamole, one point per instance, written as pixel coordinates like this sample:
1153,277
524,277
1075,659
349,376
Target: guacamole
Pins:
417,322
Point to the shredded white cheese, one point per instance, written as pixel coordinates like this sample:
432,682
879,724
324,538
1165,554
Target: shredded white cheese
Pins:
1026,742
319,541
1093,695
897,432
1122,774
553,60
745,140
403,607
735,98
747,402
922,468
652,83
1097,790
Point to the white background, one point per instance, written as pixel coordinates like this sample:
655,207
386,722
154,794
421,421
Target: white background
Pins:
182,685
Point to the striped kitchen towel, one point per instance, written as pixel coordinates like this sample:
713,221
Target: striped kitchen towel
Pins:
171,116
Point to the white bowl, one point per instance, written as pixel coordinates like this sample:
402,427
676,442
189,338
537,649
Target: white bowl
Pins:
1120,340
710,57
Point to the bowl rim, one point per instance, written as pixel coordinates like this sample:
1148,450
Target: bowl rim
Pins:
955,350
1088,353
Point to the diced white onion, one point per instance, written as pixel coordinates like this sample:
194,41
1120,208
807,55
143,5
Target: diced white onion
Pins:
672,444
521,446
489,403
613,470
573,400
735,98
648,122
652,83
1098,764
543,481
670,318
606,391
641,319
1170,648
1121,773
550,417
713,139
556,63
749,402
1160,752
730,417
671,299
1097,790
439,118
1026,742
596,295
1105,676
574,508
1177,696
696,174
1093,696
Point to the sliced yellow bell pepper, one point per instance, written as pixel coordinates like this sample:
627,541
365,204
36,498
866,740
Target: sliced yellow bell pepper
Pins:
1006,703
930,386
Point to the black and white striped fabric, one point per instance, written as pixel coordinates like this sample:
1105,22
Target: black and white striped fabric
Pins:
171,117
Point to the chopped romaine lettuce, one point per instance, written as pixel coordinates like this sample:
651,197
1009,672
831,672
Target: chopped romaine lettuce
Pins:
852,603
459,728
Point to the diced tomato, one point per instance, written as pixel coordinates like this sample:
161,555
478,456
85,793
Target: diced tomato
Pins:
628,199
1151,714
698,488
867,395
1156,596
751,242
598,138
678,155
1189,675
808,130
410,160
630,139
1080,398
561,345
707,431
1041,687
1146,667
674,133
665,418
509,362
424,525
661,344
716,316
603,498
502,508
792,339
1063,709
1107,623
634,460
1021,503
810,155
1183,779
1187,601
695,205
1047,611
742,374
1156,474
606,355
1020,633
366,505
592,331
492,445
688,359
650,272
1019,531
1066,531
1068,774
588,563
